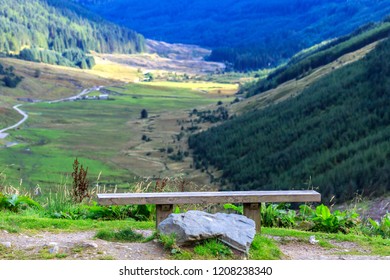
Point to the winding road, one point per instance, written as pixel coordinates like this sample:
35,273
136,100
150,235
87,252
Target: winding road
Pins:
25,115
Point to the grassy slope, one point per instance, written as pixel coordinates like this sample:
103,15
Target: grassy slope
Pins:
54,81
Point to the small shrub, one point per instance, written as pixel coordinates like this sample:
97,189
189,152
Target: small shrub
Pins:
277,215
144,114
338,221
169,242
37,73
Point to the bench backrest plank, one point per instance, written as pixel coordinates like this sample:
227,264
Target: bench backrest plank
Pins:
208,197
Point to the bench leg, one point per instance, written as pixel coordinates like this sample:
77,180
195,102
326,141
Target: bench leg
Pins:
252,211
162,212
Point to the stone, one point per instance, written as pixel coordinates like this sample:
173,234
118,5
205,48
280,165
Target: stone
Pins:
312,240
89,245
54,250
236,231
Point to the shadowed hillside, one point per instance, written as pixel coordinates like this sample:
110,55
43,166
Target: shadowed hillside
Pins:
249,34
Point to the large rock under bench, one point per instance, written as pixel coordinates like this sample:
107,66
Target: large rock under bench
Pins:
237,231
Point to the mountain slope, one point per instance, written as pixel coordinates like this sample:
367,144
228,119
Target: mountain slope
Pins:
335,135
307,61
247,33
57,31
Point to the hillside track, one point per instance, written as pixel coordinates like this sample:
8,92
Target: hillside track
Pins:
24,114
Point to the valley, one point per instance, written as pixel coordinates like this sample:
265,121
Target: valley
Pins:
105,135
101,96
121,149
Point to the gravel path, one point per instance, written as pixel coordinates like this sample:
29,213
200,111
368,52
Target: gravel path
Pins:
25,117
83,246
297,249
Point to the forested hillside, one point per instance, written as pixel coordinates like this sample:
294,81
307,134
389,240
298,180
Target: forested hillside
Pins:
307,61
248,34
60,32
336,134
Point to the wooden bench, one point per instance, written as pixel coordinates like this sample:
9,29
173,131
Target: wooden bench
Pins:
251,200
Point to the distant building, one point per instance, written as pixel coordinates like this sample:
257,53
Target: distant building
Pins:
103,97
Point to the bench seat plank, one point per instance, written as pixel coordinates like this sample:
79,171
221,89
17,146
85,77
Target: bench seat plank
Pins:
208,197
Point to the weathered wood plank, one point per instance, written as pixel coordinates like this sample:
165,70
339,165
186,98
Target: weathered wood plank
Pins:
162,212
208,197
252,211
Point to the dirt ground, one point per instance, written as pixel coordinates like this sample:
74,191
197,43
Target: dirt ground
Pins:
83,246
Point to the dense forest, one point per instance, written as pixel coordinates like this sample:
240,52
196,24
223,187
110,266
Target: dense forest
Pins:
247,34
60,32
305,62
336,135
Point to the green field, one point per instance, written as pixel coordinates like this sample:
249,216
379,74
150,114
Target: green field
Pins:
97,132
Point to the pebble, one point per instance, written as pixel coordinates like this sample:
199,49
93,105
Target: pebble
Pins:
54,250
313,240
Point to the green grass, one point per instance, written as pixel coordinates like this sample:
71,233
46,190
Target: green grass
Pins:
213,249
124,235
8,117
94,131
28,221
12,254
264,248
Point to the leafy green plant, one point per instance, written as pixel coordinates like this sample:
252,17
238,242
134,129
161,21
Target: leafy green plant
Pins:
16,203
305,211
237,209
337,221
277,215
381,228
